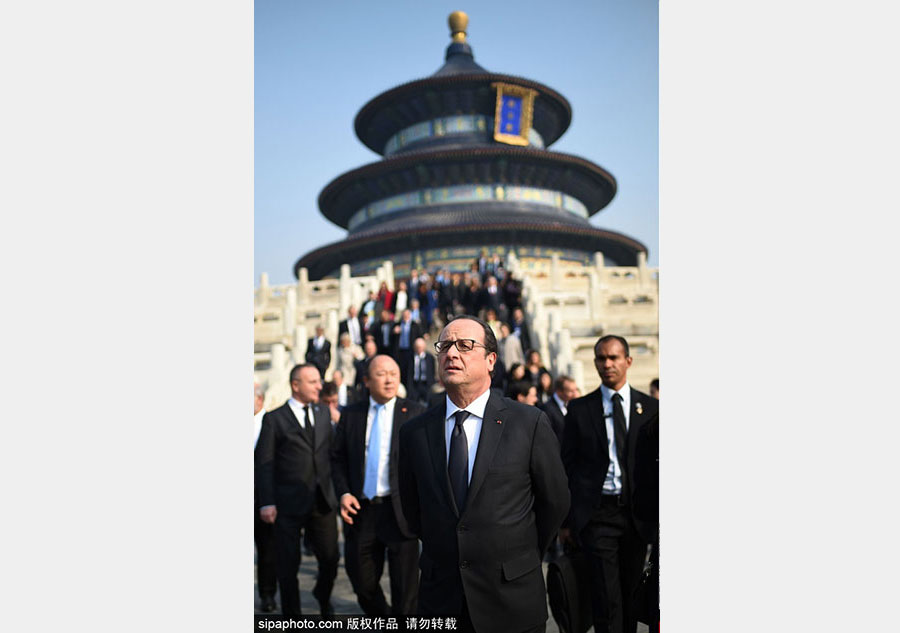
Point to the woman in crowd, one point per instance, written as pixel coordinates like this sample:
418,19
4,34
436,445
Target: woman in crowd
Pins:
347,355
534,369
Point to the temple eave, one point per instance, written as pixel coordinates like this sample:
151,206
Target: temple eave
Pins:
330,257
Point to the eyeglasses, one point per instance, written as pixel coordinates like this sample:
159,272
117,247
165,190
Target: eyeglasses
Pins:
462,344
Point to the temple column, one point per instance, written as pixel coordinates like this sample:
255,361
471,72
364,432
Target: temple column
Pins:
555,273
262,294
303,286
290,312
301,340
346,289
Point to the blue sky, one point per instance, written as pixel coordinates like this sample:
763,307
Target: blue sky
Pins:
317,64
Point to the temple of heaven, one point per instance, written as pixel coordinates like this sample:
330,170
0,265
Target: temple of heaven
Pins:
466,168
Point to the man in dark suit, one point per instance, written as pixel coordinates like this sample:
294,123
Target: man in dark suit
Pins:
364,469
384,333
370,348
563,391
293,478
420,373
598,449
519,327
483,487
402,337
352,326
318,351
490,297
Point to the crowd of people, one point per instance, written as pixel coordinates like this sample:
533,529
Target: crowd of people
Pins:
394,323
361,446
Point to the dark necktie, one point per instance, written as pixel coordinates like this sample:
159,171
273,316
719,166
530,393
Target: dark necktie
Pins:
308,427
458,466
620,433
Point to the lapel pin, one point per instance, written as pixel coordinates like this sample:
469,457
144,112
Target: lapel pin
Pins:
639,408
499,422
403,410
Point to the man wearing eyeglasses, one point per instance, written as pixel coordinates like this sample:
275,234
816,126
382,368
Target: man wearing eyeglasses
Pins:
483,487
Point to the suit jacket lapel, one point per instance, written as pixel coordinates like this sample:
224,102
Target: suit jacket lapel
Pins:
637,417
487,443
294,423
321,426
401,414
437,446
597,416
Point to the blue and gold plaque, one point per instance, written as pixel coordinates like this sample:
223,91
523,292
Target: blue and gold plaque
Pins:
512,118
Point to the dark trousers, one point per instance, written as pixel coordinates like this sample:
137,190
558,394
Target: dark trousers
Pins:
464,623
264,536
373,534
404,358
616,555
322,530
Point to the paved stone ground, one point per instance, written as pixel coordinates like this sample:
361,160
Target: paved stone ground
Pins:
344,600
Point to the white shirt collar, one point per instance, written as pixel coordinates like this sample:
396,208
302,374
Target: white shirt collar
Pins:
388,406
625,392
297,407
475,408
559,402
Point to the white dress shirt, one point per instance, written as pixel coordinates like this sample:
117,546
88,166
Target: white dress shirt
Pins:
401,300
385,429
342,395
613,483
562,405
353,330
472,425
297,407
419,367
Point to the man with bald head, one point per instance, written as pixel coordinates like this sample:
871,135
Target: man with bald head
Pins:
483,486
364,470
420,374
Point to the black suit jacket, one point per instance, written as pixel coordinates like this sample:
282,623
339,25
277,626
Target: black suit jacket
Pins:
585,452
321,358
646,476
288,467
555,414
517,499
524,335
348,456
344,327
411,371
379,337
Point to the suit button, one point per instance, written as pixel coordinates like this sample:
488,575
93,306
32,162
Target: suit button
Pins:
464,564
462,528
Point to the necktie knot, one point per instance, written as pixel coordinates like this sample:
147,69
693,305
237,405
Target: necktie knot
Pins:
461,417
617,397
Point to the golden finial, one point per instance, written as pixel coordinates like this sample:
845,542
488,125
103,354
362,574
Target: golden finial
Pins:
458,22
